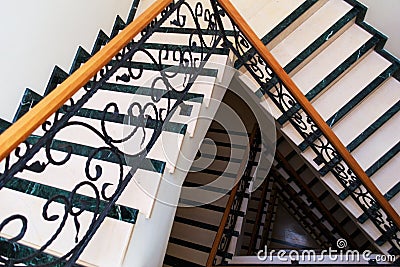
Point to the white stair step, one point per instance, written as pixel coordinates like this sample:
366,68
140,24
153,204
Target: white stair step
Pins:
331,57
210,147
358,120
218,165
139,194
220,202
193,234
309,30
201,215
350,84
219,182
205,194
39,231
363,115
271,14
124,100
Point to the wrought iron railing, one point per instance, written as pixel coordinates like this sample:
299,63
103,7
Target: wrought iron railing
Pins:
18,153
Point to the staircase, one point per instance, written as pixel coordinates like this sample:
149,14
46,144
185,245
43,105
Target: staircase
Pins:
337,61
78,151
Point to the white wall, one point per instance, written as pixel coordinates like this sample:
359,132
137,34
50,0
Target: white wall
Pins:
36,35
384,16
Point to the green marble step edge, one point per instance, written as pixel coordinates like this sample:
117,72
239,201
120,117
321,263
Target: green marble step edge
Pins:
117,212
373,169
86,151
336,73
59,75
367,133
19,251
316,44
102,39
30,99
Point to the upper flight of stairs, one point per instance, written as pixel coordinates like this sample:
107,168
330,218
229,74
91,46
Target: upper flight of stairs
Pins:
336,59
338,62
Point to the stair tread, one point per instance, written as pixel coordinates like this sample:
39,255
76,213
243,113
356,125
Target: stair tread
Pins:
201,215
362,116
387,176
273,12
309,30
190,256
144,184
191,233
378,143
350,84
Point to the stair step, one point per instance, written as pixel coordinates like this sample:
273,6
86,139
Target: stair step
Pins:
361,116
356,140
35,189
174,257
325,71
187,232
201,215
378,143
354,35
361,81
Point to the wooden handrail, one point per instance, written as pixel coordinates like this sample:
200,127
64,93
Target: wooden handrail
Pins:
225,216
27,124
309,109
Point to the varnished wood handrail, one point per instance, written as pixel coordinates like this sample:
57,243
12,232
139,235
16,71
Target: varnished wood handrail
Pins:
225,216
27,124
309,109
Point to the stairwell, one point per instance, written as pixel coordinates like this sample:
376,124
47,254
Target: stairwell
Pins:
337,61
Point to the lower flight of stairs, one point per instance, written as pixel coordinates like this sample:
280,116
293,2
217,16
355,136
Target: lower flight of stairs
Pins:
194,228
